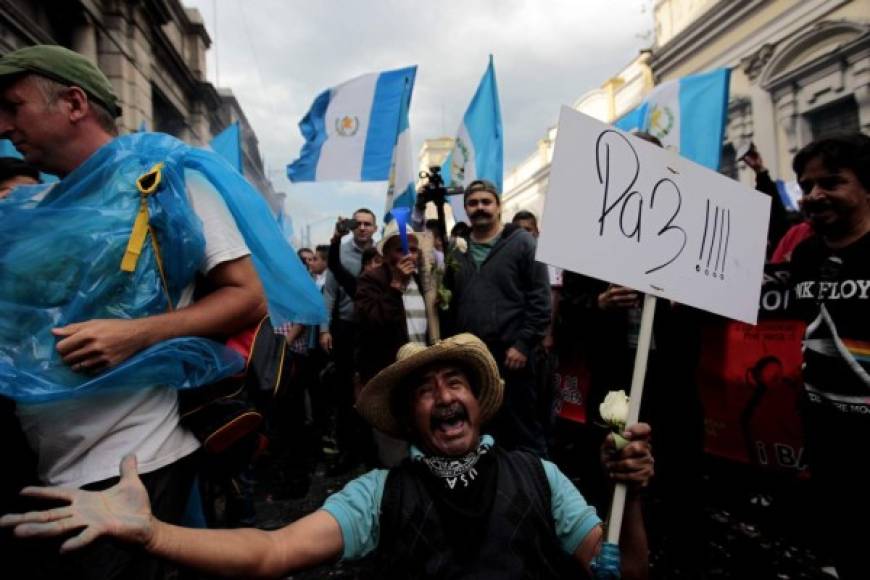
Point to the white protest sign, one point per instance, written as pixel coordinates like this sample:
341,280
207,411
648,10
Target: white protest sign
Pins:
622,210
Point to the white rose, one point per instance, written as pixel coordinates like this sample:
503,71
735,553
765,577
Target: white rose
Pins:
461,245
614,409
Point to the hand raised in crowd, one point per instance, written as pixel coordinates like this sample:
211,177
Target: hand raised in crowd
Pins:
95,345
633,464
403,270
337,234
618,297
326,341
754,161
514,359
123,511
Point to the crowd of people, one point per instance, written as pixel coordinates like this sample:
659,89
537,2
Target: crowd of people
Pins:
430,364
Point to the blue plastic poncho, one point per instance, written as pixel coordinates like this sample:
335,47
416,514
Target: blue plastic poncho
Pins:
61,247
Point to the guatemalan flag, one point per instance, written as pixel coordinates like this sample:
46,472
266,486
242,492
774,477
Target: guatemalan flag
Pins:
688,116
479,149
351,130
400,190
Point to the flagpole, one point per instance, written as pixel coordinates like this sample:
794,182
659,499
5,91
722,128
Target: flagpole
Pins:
617,506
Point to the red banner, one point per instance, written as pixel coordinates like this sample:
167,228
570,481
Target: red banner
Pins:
750,379
750,382
571,381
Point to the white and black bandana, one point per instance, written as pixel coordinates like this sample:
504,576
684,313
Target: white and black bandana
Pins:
456,472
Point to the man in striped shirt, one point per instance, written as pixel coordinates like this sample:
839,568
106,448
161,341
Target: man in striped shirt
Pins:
389,306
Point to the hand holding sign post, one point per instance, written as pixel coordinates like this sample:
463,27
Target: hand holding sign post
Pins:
628,212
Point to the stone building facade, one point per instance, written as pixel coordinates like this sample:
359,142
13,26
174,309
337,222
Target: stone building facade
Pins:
154,53
252,162
799,70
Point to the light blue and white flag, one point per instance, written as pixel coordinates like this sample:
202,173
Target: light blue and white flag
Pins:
351,130
7,149
790,193
228,144
632,120
688,115
285,222
479,149
400,190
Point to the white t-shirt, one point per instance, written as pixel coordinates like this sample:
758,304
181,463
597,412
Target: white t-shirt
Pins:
81,441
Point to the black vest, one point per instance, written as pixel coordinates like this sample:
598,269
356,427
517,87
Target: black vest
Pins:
517,540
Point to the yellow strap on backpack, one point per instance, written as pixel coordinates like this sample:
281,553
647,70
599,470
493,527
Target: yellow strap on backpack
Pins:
147,184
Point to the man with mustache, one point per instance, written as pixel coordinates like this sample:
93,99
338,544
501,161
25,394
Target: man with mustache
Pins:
459,507
502,295
831,278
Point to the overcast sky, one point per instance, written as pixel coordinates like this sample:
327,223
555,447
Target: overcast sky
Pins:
278,55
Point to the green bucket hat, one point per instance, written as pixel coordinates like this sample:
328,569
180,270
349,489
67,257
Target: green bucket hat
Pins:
64,66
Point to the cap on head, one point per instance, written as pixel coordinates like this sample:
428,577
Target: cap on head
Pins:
63,66
481,185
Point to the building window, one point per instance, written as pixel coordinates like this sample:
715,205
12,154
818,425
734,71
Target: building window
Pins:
166,117
835,119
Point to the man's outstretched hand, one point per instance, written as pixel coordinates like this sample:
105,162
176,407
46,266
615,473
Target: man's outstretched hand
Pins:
122,511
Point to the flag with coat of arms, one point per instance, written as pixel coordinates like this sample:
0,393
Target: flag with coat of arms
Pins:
478,152
687,115
352,129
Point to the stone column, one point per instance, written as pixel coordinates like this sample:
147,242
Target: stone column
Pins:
764,133
84,39
860,80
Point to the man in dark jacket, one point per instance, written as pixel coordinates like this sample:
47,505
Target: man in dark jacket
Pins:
389,304
502,295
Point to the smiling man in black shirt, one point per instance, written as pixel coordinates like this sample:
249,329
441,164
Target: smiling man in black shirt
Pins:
831,278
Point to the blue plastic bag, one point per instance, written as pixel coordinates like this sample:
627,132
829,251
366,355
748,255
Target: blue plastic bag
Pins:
61,248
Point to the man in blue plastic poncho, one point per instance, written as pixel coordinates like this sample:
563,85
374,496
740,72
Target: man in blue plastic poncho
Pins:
102,319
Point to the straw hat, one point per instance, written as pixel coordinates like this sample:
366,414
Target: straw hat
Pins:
466,349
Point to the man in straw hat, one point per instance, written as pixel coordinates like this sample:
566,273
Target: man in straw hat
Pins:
459,507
